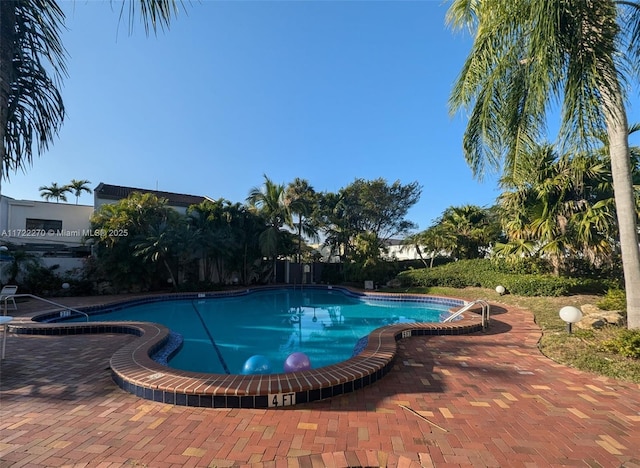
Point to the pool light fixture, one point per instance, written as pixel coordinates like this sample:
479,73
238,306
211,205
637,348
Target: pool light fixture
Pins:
571,315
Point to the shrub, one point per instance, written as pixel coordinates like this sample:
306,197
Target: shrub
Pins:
379,272
77,287
592,286
521,266
332,273
457,275
487,274
538,285
614,299
626,343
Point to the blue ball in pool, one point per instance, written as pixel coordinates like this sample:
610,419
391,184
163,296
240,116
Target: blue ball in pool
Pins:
297,362
257,364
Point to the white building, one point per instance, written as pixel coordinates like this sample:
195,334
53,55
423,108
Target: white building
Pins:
396,250
54,231
57,232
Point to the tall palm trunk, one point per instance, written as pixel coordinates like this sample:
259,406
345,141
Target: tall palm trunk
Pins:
617,131
275,267
300,272
299,238
419,252
170,271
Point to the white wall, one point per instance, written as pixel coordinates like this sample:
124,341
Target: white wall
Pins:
13,224
14,213
408,252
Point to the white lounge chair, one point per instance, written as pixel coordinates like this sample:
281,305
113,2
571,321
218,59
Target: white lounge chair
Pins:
6,295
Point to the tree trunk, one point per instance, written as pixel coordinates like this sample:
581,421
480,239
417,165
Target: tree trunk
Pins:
245,269
275,260
299,237
300,273
618,133
419,251
173,280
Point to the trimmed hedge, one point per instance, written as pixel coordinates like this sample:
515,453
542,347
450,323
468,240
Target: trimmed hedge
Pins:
483,273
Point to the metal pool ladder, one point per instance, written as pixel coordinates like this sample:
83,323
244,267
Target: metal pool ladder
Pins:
63,313
486,312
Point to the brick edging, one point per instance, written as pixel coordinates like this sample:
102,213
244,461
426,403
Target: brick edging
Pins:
136,372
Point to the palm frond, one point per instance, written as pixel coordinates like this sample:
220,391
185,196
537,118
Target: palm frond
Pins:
630,22
526,57
33,59
156,15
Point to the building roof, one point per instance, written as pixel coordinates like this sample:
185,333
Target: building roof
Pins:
118,192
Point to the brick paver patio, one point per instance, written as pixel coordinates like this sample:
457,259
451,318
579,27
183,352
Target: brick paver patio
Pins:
487,399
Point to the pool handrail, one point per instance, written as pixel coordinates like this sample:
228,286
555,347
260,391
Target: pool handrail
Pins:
486,312
42,299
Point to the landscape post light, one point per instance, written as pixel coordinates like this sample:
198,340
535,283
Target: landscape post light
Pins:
571,315
500,289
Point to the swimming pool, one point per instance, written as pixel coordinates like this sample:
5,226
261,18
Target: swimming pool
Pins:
135,371
220,334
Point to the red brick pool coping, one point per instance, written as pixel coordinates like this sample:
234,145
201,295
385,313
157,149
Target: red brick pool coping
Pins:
134,370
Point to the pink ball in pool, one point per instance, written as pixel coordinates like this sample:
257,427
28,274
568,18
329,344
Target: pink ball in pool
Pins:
297,362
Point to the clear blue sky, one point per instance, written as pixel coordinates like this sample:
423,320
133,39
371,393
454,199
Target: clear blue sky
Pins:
328,91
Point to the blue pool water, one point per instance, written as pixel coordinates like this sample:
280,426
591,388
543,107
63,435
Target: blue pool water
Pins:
220,334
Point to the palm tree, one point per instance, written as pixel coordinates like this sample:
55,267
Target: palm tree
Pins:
118,227
32,66
438,239
270,202
158,245
417,242
472,227
54,191
559,206
335,224
528,54
564,201
213,224
20,261
79,186
246,227
301,198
